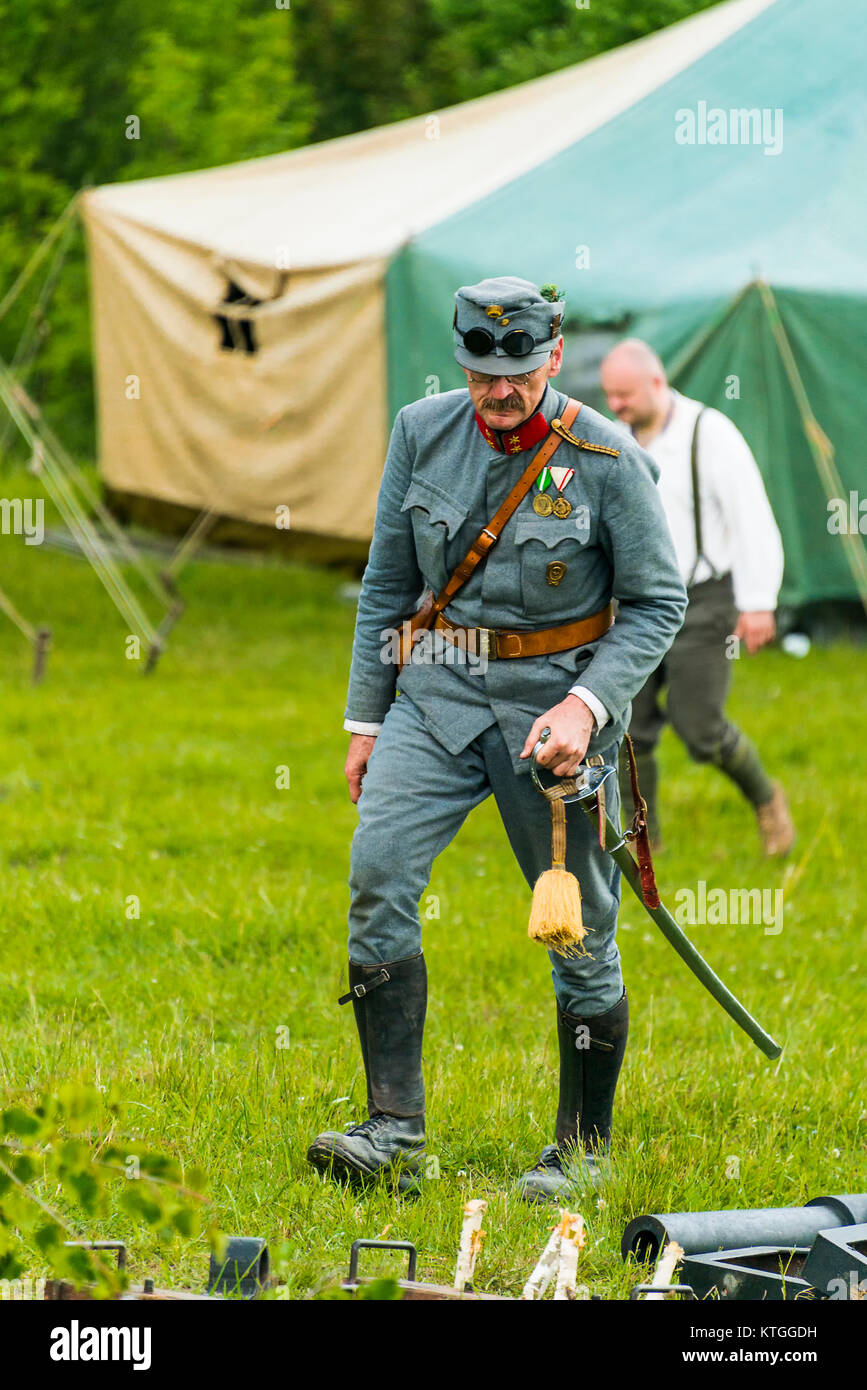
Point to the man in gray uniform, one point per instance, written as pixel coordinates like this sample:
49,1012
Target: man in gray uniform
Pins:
471,706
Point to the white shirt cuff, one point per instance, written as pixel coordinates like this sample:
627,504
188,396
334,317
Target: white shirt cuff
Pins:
354,726
756,603
595,706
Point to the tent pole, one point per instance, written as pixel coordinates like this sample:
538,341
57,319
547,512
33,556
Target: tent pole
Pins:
38,637
820,445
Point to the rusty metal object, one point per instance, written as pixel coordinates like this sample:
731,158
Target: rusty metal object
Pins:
61,1291
244,1269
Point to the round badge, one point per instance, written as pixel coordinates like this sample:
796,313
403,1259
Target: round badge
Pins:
562,506
542,504
554,572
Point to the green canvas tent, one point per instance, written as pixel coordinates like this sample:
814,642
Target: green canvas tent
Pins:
741,256
700,188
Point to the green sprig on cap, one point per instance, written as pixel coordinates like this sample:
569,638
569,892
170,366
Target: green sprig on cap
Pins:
551,293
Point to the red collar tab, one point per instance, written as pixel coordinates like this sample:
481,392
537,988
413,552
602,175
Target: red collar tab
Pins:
517,440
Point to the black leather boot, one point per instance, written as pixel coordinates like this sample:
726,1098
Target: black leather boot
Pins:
591,1055
389,1002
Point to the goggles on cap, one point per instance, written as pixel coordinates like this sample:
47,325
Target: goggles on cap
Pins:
517,342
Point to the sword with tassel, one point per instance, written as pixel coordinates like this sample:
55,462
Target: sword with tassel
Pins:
587,787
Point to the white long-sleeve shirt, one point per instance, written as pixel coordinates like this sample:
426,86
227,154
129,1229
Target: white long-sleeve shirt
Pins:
739,533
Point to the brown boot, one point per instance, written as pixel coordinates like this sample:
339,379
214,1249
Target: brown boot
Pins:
776,827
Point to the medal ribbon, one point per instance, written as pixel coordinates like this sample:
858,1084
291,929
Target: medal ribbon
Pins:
559,476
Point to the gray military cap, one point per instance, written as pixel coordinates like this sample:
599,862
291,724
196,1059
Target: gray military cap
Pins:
501,306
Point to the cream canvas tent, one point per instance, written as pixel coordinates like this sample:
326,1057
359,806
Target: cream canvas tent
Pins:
241,314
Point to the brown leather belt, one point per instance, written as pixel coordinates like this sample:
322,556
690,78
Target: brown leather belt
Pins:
497,643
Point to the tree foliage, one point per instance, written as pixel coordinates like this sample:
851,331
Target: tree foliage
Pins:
209,85
54,1149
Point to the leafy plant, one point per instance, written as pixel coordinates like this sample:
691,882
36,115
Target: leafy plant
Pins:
56,1144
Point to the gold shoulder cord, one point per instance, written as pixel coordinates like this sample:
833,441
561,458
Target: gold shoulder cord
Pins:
559,428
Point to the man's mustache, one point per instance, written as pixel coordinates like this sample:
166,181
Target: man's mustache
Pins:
512,402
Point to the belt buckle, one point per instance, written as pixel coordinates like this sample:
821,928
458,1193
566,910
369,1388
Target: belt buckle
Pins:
488,643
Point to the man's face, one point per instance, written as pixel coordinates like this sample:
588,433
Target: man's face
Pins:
633,395
502,404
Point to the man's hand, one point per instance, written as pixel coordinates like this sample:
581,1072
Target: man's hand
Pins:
571,724
756,629
360,749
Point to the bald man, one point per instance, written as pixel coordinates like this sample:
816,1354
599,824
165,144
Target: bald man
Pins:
731,561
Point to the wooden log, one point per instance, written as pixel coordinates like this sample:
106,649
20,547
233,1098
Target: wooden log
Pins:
664,1272
571,1230
472,1236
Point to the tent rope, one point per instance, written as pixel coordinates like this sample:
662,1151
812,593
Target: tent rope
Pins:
14,394
89,541
192,541
110,522
54,478
84,532
35,328
820,445
77,479
38,256
8,607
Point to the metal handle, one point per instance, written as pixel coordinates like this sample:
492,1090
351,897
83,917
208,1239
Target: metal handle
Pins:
117,1245
588,779
539,744
406,1245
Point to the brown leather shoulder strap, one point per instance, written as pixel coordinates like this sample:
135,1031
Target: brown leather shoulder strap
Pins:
487,538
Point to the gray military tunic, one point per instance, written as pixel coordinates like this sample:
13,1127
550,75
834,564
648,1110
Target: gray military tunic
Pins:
455,734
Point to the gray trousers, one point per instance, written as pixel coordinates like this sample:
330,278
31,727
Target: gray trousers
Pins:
415,797
697,673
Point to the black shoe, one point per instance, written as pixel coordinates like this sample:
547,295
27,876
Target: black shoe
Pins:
389,1002
562,1174
381,1144
591,1055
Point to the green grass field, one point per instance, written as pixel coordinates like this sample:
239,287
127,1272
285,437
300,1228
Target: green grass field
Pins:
114,786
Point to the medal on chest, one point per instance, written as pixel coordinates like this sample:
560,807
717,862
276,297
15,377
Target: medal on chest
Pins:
546,505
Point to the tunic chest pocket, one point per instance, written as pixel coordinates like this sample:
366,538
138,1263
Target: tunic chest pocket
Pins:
436,520
551,564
